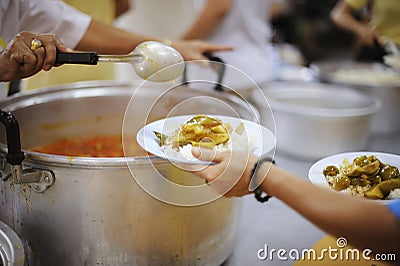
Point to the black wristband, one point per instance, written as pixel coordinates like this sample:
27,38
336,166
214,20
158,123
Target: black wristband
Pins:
258,192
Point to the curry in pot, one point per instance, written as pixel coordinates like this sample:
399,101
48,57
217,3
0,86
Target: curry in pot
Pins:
92,146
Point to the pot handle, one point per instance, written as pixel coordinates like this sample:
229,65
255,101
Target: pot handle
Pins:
220,71
15,156
41,179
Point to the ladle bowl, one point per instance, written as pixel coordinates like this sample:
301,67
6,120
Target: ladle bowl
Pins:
160,62
151,60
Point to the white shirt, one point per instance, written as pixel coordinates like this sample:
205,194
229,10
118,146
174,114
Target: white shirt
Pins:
247,29
44,16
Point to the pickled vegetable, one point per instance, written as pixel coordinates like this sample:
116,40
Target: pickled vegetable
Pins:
341,182
389,172
201,130
331,170
161,138
383,189
388,185
363,165
374,193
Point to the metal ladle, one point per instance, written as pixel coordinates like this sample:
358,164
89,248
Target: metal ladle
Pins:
148,59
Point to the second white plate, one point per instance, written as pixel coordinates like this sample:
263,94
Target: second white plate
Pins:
317,177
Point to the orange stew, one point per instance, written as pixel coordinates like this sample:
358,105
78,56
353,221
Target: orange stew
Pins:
94,146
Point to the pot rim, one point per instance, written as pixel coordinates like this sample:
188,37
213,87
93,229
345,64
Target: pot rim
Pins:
87,162
79,90
43,95
275,96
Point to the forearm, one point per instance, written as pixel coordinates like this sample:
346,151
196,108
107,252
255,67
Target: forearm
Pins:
342,17
208,19
107,39
335,213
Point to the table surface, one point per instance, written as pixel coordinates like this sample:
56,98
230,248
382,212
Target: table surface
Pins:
276,225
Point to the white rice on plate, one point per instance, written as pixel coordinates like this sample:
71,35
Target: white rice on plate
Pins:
244,141
394,194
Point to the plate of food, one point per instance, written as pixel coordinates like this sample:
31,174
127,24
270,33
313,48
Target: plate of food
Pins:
366,174
172,138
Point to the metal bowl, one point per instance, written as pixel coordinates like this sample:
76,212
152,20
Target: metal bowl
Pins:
373,78
11,247
316,120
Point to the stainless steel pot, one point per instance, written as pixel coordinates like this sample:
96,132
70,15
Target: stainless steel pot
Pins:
315,120
373,78
90,211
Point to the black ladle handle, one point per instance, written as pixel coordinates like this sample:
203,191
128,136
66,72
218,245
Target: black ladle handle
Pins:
87,58
15,156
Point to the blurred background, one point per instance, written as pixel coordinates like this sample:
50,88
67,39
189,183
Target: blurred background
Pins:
303,24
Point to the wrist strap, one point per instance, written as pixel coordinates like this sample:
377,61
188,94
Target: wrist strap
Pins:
258,192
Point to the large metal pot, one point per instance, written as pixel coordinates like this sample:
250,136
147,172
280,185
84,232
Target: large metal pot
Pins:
373,78
90,211
314,120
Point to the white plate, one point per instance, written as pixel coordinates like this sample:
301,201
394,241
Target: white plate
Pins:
264,139
316,176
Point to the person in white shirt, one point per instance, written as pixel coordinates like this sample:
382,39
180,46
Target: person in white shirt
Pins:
245,25
73,30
